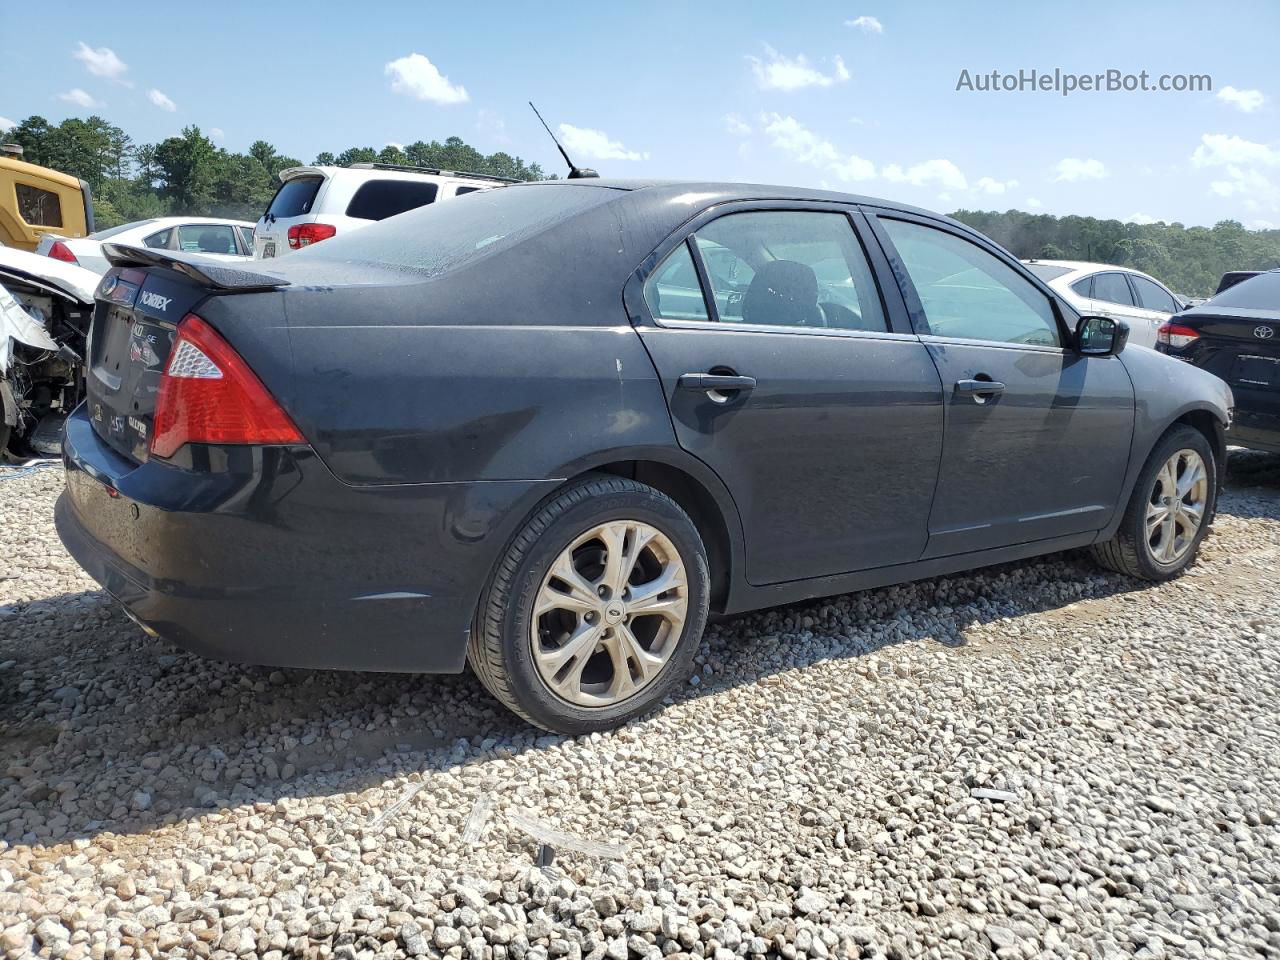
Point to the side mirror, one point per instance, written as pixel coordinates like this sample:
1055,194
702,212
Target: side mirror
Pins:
1101,336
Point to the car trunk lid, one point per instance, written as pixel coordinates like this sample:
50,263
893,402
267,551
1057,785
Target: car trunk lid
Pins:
1242,346
135,320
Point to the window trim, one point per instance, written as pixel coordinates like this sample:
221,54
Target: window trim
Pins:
894,310
915,306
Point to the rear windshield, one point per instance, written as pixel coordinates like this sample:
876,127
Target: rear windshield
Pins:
295,197
103,234
379,199
1046,272
1257,293
444,236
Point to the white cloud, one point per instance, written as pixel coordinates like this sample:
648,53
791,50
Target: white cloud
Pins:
101,62
215,133
6,123
80,98
394,145
942,172
595,144
994,187
781,72
1071,169
865,24
1035,203
492,125
1262,225
736,125
416,76
1245,101
1141,218
804,146
1220,150
160,100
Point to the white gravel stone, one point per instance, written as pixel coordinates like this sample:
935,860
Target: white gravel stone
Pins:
1034,760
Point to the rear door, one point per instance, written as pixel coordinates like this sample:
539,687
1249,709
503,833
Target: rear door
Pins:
1157,305
789,374
1037,435
293,203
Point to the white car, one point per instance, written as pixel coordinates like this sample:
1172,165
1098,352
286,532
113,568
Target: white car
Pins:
208,236
1122,293
315,203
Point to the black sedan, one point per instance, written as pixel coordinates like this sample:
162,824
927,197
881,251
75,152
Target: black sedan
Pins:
1236,335
547,429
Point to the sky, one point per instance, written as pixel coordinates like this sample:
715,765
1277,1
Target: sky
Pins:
854,96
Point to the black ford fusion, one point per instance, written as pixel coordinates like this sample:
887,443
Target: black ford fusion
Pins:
547,429
1236,335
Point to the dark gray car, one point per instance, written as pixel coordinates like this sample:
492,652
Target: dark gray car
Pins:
547,429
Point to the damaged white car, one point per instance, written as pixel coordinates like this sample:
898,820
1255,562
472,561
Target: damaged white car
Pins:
45,309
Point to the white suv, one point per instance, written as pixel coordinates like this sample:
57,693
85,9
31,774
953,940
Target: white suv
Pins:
315,203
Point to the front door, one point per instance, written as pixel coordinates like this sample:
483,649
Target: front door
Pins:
784,375
1037,435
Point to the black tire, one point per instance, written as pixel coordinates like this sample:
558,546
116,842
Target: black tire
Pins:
499,648
1129,551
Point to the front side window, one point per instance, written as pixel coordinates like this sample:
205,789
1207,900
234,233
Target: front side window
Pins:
970,293
206,238
1153,296
1112,288
380,199
673,292
39,208
790,269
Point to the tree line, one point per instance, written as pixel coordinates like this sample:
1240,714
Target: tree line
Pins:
190,174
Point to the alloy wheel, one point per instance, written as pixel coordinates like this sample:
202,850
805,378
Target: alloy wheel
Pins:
609,613
1177,505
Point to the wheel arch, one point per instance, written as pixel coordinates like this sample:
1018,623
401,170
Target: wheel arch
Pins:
698,491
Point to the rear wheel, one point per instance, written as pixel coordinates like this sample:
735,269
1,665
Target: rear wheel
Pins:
1169,512
595,612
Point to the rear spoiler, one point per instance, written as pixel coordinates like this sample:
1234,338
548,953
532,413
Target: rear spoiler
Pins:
206,272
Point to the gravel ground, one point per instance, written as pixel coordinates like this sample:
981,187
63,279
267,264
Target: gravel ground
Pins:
1034,760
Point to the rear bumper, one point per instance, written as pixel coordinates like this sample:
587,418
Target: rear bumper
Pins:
267,558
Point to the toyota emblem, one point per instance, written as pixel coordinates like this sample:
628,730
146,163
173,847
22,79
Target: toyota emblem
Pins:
1264,332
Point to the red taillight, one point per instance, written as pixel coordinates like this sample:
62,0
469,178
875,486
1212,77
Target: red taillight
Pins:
209,395
1177,336
60,251
305,234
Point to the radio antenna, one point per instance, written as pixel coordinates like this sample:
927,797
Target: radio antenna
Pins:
575,172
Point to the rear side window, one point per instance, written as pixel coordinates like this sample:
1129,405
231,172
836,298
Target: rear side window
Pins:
1112,288
790,269
39,208
461,190
206,238
295,197
1153,296
247,234
673,292
1084,287
158,241
380,199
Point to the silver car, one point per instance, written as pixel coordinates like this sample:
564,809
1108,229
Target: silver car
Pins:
1121,293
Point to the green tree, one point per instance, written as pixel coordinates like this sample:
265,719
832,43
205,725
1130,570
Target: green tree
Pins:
186,168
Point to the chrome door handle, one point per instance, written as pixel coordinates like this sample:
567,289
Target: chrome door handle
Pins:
979,389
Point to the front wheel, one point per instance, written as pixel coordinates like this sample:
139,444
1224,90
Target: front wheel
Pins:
1169,512
596,610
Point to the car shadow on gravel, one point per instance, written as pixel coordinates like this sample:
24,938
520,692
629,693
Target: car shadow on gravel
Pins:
106,730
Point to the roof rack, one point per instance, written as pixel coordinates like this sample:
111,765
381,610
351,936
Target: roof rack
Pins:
410,168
